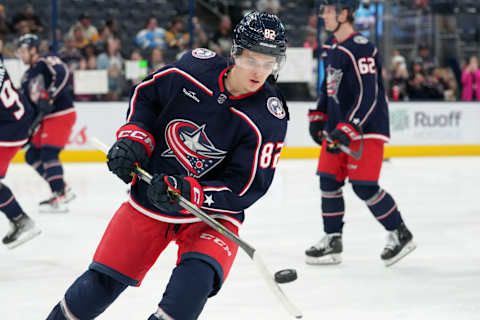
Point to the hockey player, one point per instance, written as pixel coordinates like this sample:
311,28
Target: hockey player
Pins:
48,78
16,116
214,133
352,107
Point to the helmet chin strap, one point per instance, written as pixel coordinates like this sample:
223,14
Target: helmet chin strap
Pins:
339,24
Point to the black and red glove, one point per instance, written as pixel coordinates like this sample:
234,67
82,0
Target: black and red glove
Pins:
317,121
134,146
344,133
158,192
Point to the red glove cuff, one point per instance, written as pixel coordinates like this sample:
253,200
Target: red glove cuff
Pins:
133,132
317,116
195,190
44,95
349,130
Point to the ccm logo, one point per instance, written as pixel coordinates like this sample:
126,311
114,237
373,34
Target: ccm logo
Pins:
349,132
137,135
218,241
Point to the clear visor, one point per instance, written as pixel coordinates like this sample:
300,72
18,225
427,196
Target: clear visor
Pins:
257,61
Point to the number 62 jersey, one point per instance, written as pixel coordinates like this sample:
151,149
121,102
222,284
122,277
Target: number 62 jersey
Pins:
353,88
230,144
16,113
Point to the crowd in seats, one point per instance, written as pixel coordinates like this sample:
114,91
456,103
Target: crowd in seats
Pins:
90,43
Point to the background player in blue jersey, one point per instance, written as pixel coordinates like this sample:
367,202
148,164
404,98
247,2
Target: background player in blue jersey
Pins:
214,132
352,108
16,116
48,79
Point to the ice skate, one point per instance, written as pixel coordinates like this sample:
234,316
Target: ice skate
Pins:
58,202
327,251
399,244
22,229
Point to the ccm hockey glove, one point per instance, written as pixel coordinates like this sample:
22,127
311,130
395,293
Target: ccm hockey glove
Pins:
158,192
344,133
317,121
134,146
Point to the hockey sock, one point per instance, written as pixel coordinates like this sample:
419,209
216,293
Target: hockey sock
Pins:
52,168
381,204
8,203
333,205
32,157
88,296
191,283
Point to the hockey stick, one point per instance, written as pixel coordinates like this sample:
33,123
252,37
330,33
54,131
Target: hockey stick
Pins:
249,250
355,154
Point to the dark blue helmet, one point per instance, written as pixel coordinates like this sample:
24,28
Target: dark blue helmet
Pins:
28,40
260,32
350,5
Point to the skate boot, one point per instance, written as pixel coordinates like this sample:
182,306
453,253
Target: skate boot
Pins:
399,244
160,315
327,251
58,202
22,229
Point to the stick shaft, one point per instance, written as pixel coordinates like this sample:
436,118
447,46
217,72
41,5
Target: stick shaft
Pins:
249,250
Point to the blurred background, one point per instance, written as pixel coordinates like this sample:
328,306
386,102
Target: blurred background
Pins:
429,48
426,44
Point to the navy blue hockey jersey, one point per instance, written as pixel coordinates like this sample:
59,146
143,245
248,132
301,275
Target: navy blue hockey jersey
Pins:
230,144
353,88
49,72
16,113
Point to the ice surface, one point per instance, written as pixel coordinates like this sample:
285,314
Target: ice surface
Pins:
438,198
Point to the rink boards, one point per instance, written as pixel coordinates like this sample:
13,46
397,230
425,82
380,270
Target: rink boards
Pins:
417,129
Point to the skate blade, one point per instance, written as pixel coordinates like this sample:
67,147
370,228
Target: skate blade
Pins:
71,197
334,258
29,235
409,247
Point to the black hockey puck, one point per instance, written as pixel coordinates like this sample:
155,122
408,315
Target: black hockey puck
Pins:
286,275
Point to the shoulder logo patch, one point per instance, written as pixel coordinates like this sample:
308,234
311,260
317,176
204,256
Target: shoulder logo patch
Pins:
202,53
275,106
360,40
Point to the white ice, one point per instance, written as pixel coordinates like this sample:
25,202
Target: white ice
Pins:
440,280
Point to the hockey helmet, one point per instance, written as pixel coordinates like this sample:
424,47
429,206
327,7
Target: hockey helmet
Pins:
262,33
28,40
350,5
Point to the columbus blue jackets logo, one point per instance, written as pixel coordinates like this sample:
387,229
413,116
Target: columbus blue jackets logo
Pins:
202,53
189,144
334,77
275,107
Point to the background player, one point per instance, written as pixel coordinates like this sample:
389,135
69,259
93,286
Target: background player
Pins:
352,107
48,78
16,116
213,132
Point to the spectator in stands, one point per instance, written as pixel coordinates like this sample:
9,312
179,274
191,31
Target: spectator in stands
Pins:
200,38
471,80
26,20
399,81
70,54
78,38
4,26
310,40
112,61
270,6
176,37
426,59
221,41
397,58
156,60
112,25
90,33
89,50
151,36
